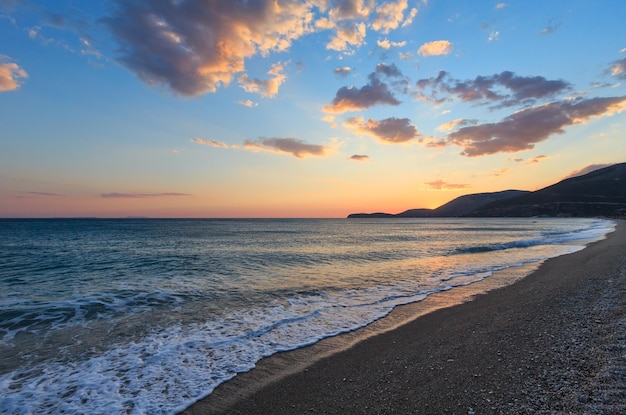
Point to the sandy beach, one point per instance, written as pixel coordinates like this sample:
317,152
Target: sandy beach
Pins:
553,342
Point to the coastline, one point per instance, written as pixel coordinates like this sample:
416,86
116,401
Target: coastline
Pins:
552,341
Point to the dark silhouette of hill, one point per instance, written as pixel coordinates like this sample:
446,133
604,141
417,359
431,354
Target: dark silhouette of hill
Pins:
599,193
461,206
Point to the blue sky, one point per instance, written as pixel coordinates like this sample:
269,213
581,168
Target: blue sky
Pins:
313,108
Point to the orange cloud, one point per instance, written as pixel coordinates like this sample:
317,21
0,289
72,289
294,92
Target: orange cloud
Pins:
452,125
442,185
347,34
389,16
210,142
435,48
247,103
9,75
618,68
387,44
194,47
269,87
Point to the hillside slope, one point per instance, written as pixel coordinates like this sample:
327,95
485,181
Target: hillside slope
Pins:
599,193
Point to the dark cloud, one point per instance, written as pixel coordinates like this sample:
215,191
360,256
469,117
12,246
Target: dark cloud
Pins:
523,129
374,93
193,47
40,194
140,195
356,99
391,130
359,157
388,70
294,146
351,9
586,169
505,89
537,159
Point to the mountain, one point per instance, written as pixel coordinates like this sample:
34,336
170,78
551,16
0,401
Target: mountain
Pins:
599,193
461,206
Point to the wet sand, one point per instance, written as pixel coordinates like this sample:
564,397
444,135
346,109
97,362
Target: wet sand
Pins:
553,342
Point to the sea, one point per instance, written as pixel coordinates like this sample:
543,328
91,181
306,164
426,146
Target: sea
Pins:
147,316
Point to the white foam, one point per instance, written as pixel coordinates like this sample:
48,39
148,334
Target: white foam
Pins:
170,367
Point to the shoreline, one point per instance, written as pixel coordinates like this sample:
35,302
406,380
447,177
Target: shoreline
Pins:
509,350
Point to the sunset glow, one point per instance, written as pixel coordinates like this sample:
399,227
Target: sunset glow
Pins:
310,108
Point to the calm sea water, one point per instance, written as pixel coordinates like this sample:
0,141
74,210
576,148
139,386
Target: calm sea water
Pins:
148,316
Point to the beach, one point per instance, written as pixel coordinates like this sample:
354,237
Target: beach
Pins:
553,342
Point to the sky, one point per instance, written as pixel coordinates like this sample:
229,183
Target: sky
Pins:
310,108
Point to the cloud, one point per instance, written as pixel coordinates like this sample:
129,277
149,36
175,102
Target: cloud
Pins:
390,71
391,130
435,48
552,27
195,47
389,16
44,194
356,99
500,172
359,157
247,103
434,142
586,169
505,88
141,195
294,146
410,18
500,6
454,124
442,185
387,44
267,88
330,119
344,71
536,159
618,68
351,9
10,74
210,142
347,34
523,129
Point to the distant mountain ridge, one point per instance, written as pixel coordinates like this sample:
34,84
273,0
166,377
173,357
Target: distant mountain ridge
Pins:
599,193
